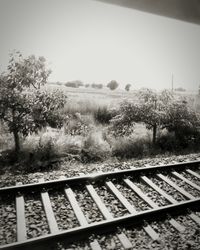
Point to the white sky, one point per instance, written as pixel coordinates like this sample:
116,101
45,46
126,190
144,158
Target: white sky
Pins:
97,42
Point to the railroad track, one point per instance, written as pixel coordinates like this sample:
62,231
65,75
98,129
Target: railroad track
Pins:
164,192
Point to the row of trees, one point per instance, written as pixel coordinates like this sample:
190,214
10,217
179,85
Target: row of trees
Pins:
74,84
112,85
157,111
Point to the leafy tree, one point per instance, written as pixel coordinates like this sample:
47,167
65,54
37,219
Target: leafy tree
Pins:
150,110
122,123
127,87
112,85
24,108
153,107
158,111
181,119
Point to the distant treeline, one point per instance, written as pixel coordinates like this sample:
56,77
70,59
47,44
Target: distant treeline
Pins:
180,89
112,85
77,84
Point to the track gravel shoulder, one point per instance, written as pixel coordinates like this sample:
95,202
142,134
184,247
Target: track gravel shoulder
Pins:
11,174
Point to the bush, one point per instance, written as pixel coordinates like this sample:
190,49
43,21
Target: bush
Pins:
181,119
67,144
125,147
78,125
102,115
46,149
39,148
95,148
167,142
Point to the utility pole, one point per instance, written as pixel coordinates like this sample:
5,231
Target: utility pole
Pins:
172,82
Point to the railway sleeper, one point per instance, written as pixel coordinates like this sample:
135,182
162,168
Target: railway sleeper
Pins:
110,223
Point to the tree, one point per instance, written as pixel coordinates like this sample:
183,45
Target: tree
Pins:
127,87
150,110
24,108
153,109
112,85
123,121
74,84
181,119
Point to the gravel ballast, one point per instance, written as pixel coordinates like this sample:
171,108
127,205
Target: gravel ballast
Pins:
66,219
36,222
8,222
63,211
88,206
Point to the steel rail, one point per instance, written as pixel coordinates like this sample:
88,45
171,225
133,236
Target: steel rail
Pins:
82,232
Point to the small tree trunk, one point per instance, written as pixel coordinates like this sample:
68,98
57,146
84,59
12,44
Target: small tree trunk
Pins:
17,144
154,134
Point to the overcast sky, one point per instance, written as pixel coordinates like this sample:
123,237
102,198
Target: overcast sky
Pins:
97,42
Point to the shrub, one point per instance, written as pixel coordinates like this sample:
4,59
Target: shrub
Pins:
170,143
167,142
103,115
51,144
67,144
46,149
78,125
39,148
181,119
95,148
125,147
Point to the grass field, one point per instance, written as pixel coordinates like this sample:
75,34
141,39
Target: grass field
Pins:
91,97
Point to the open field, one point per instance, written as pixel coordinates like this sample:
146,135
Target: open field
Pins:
86,135
95,97
107,97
